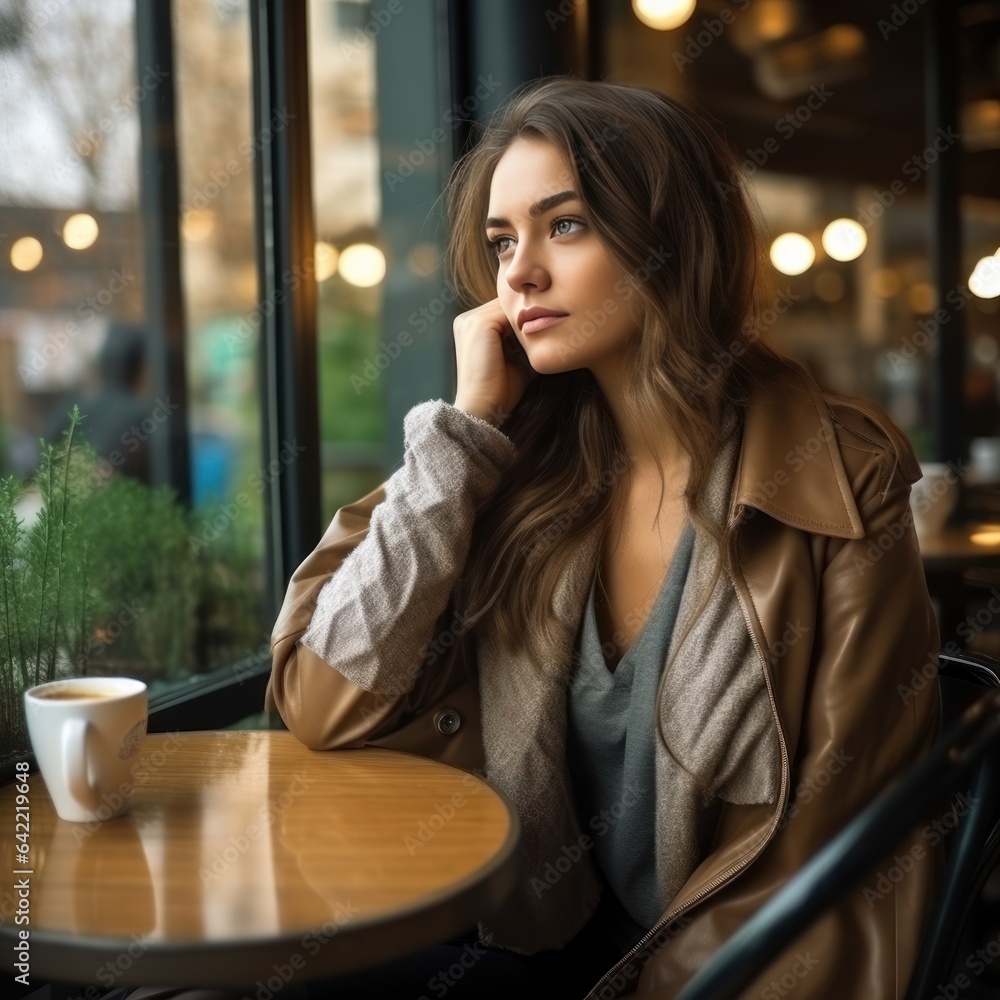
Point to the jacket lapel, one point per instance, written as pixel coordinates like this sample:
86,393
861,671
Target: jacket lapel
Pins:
787,430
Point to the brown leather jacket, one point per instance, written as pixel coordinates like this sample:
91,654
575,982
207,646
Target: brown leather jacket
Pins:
825,545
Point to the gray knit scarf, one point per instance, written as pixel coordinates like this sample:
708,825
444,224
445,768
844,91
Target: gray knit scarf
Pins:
717,740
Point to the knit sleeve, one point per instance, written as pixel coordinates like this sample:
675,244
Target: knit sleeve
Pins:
375,615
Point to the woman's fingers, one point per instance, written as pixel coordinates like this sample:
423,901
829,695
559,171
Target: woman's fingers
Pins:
493,370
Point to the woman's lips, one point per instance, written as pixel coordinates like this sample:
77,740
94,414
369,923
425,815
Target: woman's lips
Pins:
542,323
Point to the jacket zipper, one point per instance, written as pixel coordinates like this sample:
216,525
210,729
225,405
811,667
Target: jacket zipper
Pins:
734,869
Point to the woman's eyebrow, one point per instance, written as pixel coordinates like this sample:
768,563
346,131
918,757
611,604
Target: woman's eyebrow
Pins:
540,207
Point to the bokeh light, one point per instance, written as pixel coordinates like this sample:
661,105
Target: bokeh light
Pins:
985,350
663,14
327,257
886,283
792,253
844,239
985,278
80,231
362,264
921,296
26,253
197,224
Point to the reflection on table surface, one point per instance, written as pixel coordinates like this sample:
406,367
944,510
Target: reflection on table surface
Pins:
234,838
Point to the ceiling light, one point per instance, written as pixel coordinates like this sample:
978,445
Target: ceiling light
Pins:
663,14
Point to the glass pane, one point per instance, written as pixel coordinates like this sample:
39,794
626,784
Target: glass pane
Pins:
216,148
111,570
382,147
350,260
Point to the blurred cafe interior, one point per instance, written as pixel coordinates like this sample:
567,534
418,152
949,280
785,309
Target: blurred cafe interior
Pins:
220,227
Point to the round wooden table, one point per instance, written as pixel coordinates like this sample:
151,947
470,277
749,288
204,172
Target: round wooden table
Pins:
245,857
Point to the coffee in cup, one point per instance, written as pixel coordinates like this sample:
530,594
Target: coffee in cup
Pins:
66,693
86,733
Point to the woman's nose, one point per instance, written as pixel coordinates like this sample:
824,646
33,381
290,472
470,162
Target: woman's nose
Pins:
527,268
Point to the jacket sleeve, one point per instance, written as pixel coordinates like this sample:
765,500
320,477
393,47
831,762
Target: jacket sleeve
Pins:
350,645
869,709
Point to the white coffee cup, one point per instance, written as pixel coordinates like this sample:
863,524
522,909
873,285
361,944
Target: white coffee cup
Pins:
86,733
933,498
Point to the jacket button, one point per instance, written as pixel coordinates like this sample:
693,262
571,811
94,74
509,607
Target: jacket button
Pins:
448,721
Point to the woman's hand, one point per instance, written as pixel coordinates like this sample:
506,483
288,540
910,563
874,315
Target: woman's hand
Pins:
493,370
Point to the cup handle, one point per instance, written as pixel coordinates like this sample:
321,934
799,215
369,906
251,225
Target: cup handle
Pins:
74,754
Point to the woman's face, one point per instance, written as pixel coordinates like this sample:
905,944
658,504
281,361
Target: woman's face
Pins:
557,285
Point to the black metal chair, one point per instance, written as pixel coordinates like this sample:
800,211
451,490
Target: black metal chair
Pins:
965,759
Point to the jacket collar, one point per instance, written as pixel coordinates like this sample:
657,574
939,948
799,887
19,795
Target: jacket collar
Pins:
790,463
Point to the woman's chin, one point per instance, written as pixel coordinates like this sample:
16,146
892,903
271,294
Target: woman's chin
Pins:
548,361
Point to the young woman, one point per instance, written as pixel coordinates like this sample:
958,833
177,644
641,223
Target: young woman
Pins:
666,588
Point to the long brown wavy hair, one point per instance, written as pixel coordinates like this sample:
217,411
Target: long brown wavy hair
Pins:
669,203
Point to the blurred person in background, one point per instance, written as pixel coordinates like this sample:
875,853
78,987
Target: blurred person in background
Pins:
114,415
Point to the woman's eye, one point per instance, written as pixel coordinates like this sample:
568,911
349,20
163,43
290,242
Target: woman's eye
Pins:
500,245
562,227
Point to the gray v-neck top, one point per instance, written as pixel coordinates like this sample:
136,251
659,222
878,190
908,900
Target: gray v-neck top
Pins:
611,732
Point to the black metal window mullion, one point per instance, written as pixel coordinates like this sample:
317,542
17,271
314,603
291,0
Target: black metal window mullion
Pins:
159,202
287,288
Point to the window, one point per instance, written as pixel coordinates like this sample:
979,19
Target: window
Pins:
129,288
